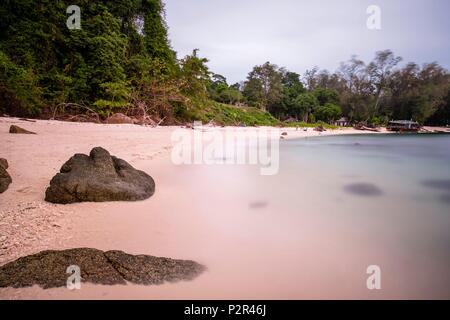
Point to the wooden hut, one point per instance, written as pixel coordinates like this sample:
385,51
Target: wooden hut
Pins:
342,122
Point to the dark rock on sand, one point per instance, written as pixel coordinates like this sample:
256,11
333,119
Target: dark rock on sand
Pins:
48,269
119,118
149,270
19,130
99,177
4,163
364,189
5,178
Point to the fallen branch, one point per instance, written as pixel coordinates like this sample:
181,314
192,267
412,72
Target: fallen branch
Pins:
159,123
23,119
64,105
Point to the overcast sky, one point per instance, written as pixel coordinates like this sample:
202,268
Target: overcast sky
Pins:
236,35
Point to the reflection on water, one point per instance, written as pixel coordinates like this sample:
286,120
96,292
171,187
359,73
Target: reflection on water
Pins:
338,205
445,198
258,205
400,219
363,189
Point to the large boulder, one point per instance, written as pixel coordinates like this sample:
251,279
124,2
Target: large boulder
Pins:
19,130
5,178
119,118
49,269
99,177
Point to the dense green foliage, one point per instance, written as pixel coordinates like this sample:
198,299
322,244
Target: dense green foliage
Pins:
303,124
121,61
93,66
224,114
372,93
220,91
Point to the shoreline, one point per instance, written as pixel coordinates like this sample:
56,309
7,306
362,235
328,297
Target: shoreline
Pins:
54,143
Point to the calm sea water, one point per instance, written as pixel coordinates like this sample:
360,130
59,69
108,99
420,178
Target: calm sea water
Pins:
389,194
338,205
414,168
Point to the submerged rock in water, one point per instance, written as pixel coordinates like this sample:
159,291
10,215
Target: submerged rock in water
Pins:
19,130
437,184
445,198
364,189
5,178
258,205
99,177
49,269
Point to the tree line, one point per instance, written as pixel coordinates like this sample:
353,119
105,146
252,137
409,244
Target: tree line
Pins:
373,92
121,60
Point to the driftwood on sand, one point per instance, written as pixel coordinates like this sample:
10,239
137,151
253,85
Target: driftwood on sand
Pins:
320,128
27,120
137,114
361,126
72,112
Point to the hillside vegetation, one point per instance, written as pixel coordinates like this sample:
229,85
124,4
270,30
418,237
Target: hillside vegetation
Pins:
121,60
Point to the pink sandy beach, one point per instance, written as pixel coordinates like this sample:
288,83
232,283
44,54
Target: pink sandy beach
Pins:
197,213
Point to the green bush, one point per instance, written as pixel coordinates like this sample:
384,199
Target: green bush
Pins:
310,125
19,92
229,115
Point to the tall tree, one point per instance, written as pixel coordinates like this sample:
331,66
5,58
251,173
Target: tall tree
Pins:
328,112
325,96
417,93
379,71
97,66
156,34
264,86
292,88
195,74
305,106
310,78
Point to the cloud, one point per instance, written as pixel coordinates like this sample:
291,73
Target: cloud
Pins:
236,35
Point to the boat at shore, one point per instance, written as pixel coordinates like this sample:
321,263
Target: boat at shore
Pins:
403,126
